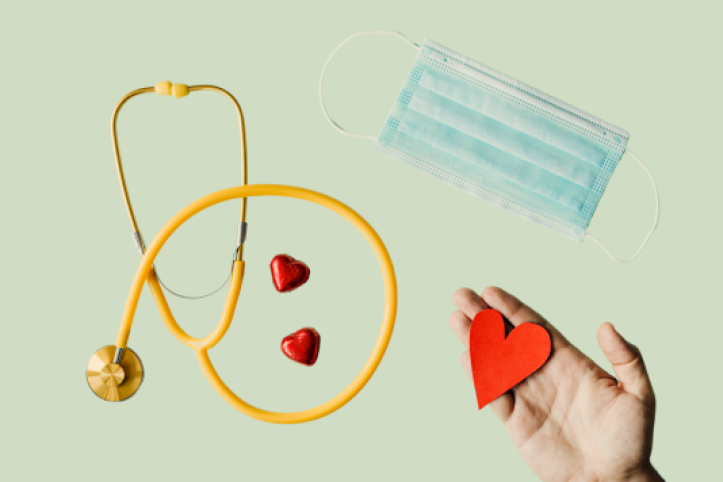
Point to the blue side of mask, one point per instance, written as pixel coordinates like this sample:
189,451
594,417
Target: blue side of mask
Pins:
501,140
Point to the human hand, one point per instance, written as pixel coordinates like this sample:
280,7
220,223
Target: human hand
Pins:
571,420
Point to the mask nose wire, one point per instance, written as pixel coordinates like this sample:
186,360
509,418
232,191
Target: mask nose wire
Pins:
655,221
323,71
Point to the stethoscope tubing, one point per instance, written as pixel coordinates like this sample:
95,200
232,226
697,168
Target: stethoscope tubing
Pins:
146,273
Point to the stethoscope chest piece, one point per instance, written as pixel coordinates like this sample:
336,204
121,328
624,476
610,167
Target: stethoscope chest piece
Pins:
114,380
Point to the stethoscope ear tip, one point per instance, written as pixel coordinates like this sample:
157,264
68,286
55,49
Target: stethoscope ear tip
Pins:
114,380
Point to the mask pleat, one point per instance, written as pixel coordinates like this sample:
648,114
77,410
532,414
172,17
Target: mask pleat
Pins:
481,154
515,116
460,173
501,136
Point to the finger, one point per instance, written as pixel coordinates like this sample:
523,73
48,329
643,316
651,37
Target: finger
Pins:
627,362
517,313
467,364
468,302
511,308
460,326
503,405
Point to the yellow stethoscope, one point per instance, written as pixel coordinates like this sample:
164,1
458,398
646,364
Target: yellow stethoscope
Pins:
115,372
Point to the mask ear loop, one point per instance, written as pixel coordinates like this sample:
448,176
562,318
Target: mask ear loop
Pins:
655,222
323,71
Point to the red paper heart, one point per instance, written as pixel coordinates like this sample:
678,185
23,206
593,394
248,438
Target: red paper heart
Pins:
288,273
500,363
302,346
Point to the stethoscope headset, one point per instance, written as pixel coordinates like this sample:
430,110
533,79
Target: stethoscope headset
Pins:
115,372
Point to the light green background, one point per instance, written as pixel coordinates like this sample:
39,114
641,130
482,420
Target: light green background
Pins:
68,258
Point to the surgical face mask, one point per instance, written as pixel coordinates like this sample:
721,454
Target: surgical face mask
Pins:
501,140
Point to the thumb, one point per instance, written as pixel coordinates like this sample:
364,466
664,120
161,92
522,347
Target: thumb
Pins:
627,362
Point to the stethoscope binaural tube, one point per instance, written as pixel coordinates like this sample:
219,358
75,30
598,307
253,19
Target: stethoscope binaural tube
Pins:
177,90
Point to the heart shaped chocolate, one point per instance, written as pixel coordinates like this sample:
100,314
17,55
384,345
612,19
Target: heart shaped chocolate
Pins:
500,363
302,346
288,273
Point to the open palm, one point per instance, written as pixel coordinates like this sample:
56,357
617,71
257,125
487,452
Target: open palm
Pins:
571,420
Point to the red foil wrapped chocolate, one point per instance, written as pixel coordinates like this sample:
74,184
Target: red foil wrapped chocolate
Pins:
288,273
302,346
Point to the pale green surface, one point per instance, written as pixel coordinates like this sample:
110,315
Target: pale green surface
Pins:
68,258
